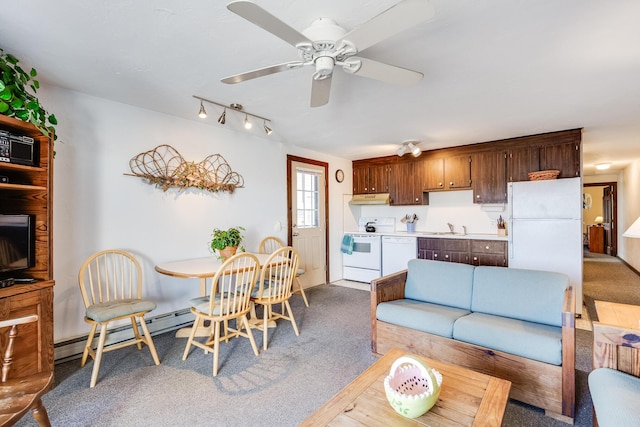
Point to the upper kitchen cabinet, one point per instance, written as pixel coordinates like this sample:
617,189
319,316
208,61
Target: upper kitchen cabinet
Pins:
405,185
550,151
489,176
370,178
449,173
563,156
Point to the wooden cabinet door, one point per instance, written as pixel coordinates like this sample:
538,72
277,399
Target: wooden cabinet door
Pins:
429,248
457,172
360,179
521,161
432,174
489,176
405,179
378,179
455,250
564,157
33,351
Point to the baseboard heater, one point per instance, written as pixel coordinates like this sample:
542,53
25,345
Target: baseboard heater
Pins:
73,348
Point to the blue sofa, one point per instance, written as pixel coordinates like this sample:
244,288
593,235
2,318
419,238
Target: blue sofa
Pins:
615,396
510,323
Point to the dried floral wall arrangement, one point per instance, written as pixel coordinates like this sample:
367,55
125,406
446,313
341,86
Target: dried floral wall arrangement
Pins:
165,168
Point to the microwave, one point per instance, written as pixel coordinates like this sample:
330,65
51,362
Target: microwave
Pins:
17,149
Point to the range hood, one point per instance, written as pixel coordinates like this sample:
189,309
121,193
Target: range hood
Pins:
370,199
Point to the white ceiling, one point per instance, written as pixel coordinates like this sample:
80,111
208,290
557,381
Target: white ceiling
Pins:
493,69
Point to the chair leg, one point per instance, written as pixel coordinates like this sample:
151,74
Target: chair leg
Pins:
149,340
301,290
194,329
40,414
216,348
136,332
88,345
245,321
99,351
293,320
265,326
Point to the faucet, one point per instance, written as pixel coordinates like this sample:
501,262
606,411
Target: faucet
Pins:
464,230
450,227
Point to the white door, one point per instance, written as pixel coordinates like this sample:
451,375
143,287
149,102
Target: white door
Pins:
308,228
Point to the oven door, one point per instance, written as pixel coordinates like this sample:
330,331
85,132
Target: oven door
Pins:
366,252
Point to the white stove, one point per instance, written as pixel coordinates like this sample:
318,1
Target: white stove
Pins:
365,262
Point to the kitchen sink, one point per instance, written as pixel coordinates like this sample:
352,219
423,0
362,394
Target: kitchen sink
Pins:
440,233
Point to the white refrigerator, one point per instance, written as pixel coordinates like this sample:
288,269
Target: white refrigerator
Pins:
545,228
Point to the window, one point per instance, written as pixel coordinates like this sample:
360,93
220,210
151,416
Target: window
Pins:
308,199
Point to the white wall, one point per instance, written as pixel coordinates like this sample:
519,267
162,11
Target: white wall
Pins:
628,212
455,207
97,207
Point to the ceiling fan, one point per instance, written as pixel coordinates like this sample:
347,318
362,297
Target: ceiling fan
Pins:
325,44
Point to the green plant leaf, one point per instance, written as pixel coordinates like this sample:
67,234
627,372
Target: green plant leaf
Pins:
36,84
22,114
16,103
2,86
5,94
3,106
11,59
33,72
53,120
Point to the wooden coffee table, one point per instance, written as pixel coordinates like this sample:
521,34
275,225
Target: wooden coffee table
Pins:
467,398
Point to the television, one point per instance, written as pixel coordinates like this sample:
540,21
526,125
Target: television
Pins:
17,243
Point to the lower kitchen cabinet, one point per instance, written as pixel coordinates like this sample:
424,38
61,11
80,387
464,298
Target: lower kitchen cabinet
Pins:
465,251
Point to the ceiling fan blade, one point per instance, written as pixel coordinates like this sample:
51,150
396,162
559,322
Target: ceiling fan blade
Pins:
384,72
260,72
320,91
263,19
394,20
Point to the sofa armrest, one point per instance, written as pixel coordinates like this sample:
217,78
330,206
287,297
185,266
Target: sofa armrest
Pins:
387,288
569,352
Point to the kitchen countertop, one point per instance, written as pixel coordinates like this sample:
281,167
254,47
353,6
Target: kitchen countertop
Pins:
436,234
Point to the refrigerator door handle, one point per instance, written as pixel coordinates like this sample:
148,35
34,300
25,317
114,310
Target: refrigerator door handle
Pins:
510,238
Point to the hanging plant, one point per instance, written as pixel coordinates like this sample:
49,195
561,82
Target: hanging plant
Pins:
15,99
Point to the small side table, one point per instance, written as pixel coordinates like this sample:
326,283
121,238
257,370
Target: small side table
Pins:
616,337
596,239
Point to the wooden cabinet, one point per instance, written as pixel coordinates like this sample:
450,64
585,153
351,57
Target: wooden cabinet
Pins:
449,173
489,252
371,179
596,239
564,156
521,161
29,191
405,178
489,177
465,251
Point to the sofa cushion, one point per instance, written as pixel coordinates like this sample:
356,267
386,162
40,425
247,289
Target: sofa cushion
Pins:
423,316
615,397
535,296
439,282
527,339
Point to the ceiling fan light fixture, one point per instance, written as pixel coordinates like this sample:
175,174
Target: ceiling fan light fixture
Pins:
223,117
202,113
247,123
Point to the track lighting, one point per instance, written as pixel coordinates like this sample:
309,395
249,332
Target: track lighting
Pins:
409,146
202,113
232,107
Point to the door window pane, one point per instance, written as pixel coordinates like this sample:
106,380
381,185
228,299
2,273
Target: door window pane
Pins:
308,197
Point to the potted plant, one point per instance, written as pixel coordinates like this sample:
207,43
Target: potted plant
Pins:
15,98
226,242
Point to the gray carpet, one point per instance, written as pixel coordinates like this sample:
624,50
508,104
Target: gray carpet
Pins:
281,386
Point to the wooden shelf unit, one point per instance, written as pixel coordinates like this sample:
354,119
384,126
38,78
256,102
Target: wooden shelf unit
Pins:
30,191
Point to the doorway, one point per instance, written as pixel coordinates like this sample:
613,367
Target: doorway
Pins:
307,216
601,210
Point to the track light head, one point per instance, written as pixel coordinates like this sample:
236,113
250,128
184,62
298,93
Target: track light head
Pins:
402,150
223,117
267,129
415,150
247,123
409,146
202,113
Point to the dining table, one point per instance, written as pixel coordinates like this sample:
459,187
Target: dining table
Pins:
202,268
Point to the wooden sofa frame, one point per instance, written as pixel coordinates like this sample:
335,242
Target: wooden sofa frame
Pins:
539,384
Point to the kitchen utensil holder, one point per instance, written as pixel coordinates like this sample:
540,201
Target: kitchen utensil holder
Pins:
411,227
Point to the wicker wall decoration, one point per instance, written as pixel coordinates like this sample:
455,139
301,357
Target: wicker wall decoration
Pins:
165,168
